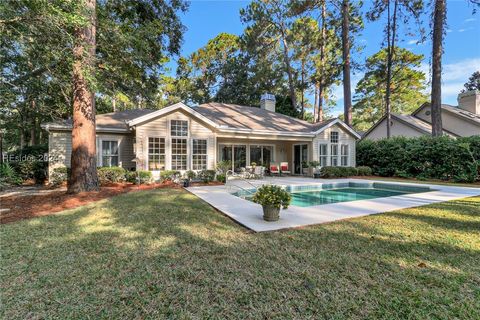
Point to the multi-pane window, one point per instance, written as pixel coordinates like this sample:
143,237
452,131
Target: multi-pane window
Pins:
323,154
156,153
334,137
109,153
179,128
334,155
179,154
199,154
344,155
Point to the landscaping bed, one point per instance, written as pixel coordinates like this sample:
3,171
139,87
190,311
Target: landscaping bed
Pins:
41,204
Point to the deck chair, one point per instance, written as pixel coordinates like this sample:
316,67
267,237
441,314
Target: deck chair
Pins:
274,169
284,168
259,172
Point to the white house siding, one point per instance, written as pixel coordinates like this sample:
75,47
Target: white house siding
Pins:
344,137
397,129
160,127
60,149
451,123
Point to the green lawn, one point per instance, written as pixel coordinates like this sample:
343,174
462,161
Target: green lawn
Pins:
164,253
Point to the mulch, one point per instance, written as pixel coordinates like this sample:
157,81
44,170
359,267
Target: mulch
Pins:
31,206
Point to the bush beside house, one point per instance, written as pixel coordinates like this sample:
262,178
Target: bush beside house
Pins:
425,157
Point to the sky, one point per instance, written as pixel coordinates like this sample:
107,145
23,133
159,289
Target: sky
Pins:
206,19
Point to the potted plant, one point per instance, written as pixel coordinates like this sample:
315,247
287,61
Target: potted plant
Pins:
272,198
305,167
316,171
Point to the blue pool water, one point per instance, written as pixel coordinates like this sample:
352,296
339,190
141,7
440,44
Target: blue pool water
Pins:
314,195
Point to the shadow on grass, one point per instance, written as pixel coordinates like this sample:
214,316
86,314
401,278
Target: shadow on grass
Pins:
165,253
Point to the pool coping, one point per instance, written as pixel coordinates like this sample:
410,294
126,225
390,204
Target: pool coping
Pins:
249,214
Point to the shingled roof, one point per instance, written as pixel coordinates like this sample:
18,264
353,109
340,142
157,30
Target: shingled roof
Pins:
252,118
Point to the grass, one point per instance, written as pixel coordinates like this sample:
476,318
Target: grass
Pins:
164,253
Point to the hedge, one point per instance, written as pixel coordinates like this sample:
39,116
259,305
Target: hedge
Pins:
424,157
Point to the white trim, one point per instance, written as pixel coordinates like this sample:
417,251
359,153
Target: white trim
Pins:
174,107
100,140
342,124
147,153
293,156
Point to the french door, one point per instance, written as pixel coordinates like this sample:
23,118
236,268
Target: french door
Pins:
300,156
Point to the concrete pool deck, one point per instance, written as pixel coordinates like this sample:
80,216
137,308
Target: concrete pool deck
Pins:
250,214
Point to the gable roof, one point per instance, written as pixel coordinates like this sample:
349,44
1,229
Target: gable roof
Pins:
220,116
458,112
411,121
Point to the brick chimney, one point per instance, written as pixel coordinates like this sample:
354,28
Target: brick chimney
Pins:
267,102
469,101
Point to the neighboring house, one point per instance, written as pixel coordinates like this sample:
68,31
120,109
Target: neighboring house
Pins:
460,121
182,138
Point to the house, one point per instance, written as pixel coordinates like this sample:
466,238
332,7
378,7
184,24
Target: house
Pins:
182,138
458,121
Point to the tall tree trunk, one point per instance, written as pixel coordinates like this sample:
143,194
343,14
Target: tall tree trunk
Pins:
347,90
437,48
84,167
391,33
322,62
315,103
33,128
320,102
291,84
302,112
114,104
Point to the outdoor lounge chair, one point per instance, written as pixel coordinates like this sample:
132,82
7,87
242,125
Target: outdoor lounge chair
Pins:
259,172
284,168
274,169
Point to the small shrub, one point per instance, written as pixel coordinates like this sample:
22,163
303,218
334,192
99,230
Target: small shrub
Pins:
140,176
206,175
364,171
168,175
272,195
8,175
59,176
111,174
221,178
338,172
190,174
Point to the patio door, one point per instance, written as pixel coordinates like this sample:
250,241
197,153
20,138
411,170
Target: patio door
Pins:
300,155
237,154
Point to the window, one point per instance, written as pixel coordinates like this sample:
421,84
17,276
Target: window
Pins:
344,155
179,128
334,137
156,153
323,154
261,155
199,155
109,153
179,154
334,155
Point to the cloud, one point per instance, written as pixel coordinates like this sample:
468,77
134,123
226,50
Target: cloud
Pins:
414,41
469,20
454,75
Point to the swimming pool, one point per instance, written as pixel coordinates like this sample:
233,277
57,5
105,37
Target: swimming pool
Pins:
314,195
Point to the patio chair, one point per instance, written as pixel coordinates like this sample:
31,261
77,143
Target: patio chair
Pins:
284,168
274,169
259,172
